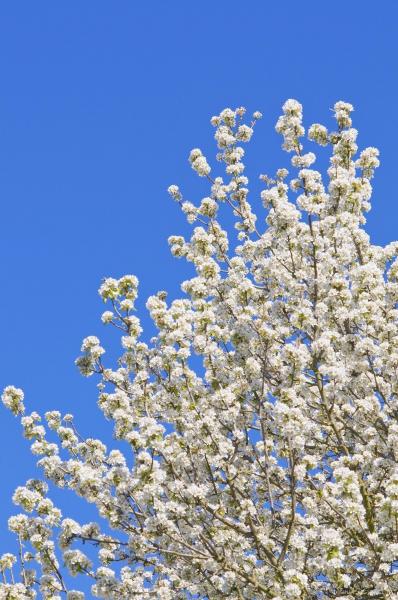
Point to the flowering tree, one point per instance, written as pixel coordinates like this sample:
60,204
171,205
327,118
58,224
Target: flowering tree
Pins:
267,467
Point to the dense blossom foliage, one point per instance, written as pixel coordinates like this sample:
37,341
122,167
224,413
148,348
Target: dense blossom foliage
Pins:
260,423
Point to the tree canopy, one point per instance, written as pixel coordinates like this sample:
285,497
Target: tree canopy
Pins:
259,423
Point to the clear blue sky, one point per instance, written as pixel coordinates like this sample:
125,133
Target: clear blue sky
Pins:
100,103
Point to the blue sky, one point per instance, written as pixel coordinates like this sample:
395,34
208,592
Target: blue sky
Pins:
100,104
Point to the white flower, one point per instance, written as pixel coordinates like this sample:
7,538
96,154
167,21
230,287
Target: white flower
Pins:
244,133
107,316
12,398
89,343
7,561
201,166
109,289
174,192
76,561
318,133
342,113
304,160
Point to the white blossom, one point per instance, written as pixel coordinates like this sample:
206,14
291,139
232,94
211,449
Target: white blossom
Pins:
12,398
